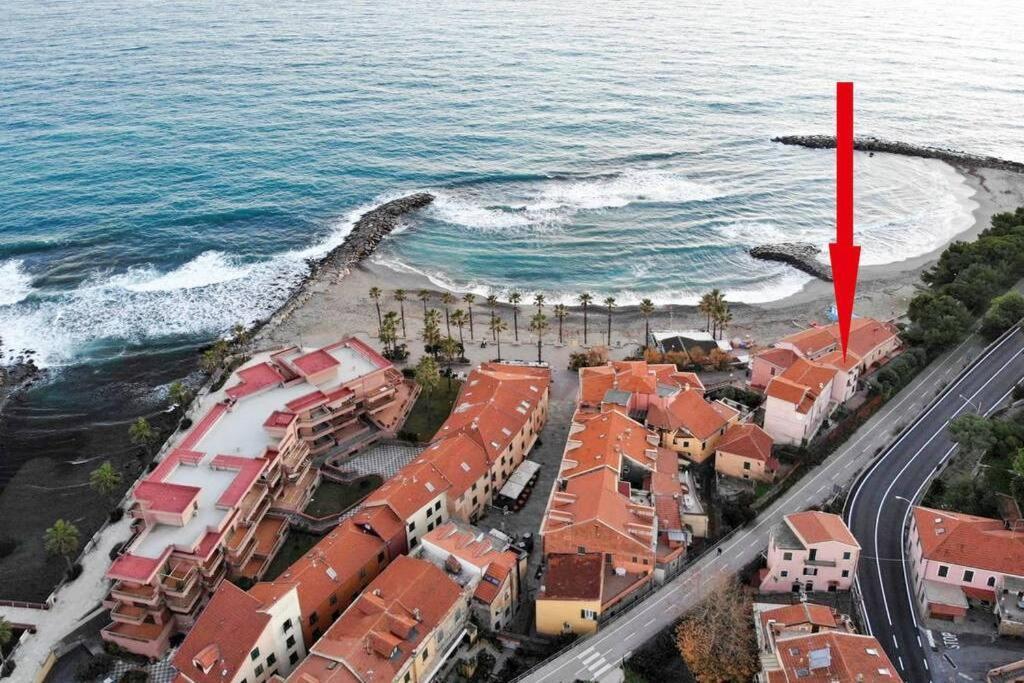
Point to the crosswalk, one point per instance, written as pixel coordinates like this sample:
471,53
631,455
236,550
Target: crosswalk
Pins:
595,663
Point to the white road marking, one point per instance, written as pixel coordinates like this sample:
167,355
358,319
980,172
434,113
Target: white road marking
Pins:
602,671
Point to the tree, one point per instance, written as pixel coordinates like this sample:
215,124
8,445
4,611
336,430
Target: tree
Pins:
141,433
1004,312
459,319
449,349
240,335
179,394
716,638
213,358
61,539
937,320
497,327
447,299
492,303
973,433
428,377
375,294
538,301
722,317
976,285
609,302
539,325
708,303
424,296
432,331
6,636
389,333
514,298
400,296
105,480
469,299
561,313
585,300
646,309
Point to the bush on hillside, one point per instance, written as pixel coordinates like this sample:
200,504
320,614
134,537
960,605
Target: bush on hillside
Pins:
1004,312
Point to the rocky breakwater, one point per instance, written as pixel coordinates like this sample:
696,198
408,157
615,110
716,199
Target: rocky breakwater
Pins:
367,232
800,255
872,144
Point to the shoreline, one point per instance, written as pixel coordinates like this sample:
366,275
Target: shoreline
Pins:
327,305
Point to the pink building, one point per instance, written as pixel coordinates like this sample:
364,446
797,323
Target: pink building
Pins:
798,401
810,551
215,505
959,561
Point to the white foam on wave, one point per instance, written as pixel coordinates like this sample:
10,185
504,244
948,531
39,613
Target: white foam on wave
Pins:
15,282
206,295
553,203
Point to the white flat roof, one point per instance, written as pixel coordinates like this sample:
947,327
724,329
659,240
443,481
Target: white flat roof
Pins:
240,430
353,363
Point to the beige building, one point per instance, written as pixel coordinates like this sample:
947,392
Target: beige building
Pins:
745,452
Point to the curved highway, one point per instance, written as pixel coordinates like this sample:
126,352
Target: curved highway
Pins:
879,504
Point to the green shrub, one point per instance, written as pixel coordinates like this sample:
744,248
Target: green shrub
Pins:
1004,312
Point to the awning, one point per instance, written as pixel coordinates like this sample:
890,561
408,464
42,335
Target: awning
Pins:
519,479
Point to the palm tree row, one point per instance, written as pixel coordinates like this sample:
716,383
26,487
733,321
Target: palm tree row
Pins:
716,310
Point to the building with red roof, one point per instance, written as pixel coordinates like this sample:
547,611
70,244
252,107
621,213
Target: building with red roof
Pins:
401,628
745,452
826,657
242,637
798,401
214,505
958,561
690,425
631,385
810,551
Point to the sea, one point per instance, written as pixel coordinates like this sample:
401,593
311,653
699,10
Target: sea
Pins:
167,169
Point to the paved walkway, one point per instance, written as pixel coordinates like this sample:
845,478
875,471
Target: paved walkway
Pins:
72,604
384,459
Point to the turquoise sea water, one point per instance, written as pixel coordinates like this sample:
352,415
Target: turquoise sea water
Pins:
167,167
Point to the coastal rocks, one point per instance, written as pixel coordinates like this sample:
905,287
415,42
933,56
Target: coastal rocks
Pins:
872,144
800,255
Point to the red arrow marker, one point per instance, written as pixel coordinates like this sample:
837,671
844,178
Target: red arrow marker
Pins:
843,253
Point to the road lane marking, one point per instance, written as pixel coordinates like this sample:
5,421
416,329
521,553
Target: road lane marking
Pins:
602,671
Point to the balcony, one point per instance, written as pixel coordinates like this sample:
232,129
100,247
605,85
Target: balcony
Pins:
237,559
251,502
146,639
128,614
185,602
213,565
143,594
180,580
820,563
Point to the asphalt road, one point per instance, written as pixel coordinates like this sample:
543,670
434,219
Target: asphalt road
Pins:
597,657
878,508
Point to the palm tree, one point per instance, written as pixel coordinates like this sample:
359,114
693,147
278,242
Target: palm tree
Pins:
492,303
428,377
609,302
469,299
400,295
142,434
497,327
539,325
585,300
561,313
432,330
424,296
375,294
389,333
105,480
646,309
722,317
179,394
449,347
447,299
459,320
705,306
6,636
62,539
538,301
514,298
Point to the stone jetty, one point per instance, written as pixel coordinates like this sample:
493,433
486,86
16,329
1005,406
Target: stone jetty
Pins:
800,255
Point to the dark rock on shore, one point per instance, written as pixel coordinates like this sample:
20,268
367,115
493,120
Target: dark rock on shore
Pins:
800,255
872,144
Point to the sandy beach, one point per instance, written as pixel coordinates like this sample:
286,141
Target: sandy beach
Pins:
337,302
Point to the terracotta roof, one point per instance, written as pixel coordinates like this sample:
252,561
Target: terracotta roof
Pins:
469,545
573,577
394,615
813,526
748,441
631,377
222,636
594,497
811,341
381,520
866,334
688,410
342,552
801,384
781,358
831,656
165,497
799,614
315,361
602,440
411,489
460,460
253,379
835,360
970,541
685,380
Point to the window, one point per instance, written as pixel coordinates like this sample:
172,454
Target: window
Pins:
784,573
968,575
412,526
430,513
255,654
313,618
426,653
334,599
991,581
271,658
588,614
291,641
408,677
293,657
813,555
846,573
847,555
259,669
787,556
474,500
414,543
746,464
943,570
437,505
430,527
287,625
380,557
581,549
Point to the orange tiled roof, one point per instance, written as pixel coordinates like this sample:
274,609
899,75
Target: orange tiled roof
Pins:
412,488
969,541
573,577
688,410
633,377
801,384
460,460
835,360
222,637
748,441
811,341
813,526
866,335
800,614
378,632
839,656
602,440
595,497
343,552
781,358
